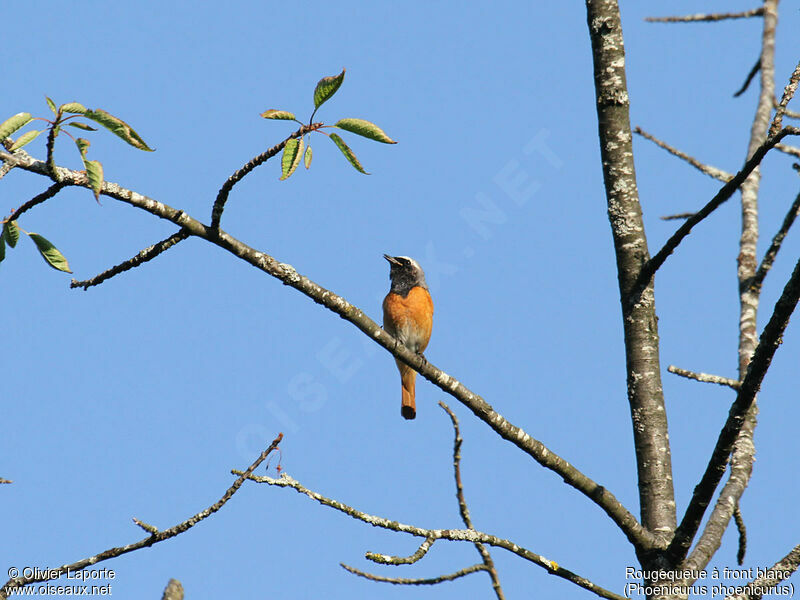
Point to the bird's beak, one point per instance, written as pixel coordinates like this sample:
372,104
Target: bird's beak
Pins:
392,259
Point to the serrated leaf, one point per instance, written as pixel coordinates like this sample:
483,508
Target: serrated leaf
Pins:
94,170
25,138
348,154
292,155
75,108
118,127
83,126
326,87
11,124
11,233
307,157
83,146
52,105
365,129
50,253
283,115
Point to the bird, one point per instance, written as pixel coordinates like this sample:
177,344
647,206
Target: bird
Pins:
408,316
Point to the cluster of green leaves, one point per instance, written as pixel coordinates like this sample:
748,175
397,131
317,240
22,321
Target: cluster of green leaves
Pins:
64,117
296,149
49,252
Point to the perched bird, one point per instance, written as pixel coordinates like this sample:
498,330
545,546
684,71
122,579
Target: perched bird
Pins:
408,316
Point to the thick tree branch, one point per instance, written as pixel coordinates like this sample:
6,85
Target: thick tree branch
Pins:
56,572
771,338
704,377
145,255
698,18
632,529
714,172
458,535
640,324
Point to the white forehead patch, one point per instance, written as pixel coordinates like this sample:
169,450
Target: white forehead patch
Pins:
412,261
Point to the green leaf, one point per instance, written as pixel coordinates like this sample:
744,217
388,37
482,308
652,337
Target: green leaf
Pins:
50,253
52,105
79,125
25,138
348,154
326,87
365,129
118,127
83,146
11,233
292,155
283,115
73,107
94,170
307,158
11,124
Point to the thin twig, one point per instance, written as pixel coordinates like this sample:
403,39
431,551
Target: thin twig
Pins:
704,377
742,529
462,503
719,198
222,195
714,172
763,586
756,68
775,246
678,216
640,537
792,150
385,559
405,581
788,94
38,199
768,344
697,18
56,572
145,255
459,535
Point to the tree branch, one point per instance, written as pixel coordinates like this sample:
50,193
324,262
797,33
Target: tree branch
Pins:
462,503
56,572
704,377
788,149
780,571
385,559
459,535
145,255
632,529
756,68
640,324
719,198
697,18
222,195
777,240
771,338
405,581
714,172
38,199
788,94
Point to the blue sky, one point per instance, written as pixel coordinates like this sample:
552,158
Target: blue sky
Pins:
136,398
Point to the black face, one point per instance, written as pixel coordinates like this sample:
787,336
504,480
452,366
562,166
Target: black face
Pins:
405,274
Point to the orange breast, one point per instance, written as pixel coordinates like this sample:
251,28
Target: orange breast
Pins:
409,319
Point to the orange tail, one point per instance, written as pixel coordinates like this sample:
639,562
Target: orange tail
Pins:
409,379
